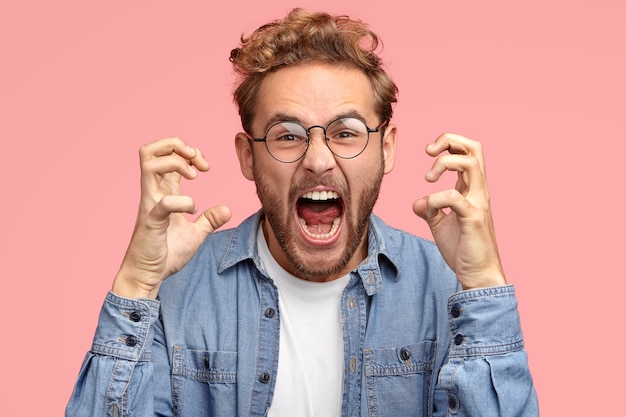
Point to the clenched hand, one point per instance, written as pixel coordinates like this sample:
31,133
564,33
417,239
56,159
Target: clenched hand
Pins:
460,218
164,239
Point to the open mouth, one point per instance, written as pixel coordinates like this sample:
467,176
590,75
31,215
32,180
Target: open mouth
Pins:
320,213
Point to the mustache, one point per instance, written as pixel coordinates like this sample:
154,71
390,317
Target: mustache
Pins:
296,188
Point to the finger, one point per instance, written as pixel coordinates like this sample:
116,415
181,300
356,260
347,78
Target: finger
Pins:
456,144
213,218
430,208
458,163
432,216
167,146
420,207
174,146
199,161
471,177
161,176
173,204
168,164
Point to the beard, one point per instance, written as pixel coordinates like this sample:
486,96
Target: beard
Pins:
281,218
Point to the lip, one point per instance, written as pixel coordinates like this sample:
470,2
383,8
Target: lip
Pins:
308,239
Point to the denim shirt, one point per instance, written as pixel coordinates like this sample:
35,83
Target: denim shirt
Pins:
414,344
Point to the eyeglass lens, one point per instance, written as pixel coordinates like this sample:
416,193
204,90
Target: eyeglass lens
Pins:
288,141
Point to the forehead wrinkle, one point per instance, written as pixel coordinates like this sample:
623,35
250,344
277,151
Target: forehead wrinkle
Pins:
313,94
285,117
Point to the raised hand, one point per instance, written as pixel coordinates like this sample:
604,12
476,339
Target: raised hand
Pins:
164,239
460,219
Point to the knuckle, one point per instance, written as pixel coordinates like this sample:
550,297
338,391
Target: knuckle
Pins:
167,204
146,165
144,152
476,149
473,162
452,195
176,142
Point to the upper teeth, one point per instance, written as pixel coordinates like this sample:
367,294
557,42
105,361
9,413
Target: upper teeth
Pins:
321,195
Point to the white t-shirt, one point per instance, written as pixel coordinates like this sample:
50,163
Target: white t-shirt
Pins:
310,361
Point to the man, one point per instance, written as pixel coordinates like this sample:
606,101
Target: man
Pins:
313,306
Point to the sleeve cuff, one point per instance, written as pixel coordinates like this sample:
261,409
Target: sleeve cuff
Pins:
125,328
484,321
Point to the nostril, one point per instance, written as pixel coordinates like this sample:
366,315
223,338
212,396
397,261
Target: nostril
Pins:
319,157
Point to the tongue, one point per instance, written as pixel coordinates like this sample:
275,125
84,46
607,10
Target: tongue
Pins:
314,214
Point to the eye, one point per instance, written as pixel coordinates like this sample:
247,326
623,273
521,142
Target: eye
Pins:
346,129
286,132
344,134
288,137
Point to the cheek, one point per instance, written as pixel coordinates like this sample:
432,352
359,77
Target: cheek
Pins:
361,176
272,182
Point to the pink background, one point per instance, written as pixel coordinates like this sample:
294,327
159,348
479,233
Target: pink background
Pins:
540,83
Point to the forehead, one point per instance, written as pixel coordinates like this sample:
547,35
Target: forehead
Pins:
314,93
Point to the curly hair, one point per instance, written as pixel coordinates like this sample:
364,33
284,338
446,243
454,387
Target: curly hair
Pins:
305,37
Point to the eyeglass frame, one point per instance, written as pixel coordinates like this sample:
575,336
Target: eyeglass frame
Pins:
326,139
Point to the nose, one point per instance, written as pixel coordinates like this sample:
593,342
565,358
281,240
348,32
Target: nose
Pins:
318,158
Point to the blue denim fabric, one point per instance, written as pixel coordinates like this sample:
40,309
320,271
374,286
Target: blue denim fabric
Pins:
414,344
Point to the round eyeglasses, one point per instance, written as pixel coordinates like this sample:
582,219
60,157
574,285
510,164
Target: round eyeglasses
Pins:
346,138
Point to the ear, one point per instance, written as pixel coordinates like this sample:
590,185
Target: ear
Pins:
389,148
244,153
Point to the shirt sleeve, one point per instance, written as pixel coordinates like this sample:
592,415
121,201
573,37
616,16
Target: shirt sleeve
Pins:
487,370
117,373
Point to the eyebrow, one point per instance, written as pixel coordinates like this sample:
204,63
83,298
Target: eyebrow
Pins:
284,117
280,117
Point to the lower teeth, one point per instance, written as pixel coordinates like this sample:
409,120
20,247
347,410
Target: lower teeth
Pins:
332,231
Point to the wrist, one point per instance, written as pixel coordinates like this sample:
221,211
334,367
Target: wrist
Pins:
128,286
485,280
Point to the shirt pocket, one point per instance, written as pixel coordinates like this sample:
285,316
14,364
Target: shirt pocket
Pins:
398,379
203,382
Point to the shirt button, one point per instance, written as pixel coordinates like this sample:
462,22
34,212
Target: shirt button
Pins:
135,316
452,402
265,377
458,339
405,354
131,341
270,312
455,311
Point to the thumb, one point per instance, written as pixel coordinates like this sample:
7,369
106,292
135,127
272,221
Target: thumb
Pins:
213,218
420,206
